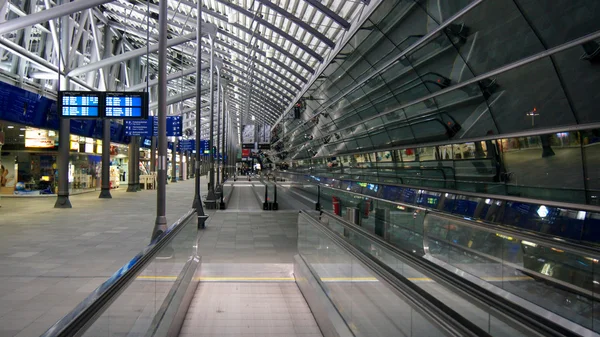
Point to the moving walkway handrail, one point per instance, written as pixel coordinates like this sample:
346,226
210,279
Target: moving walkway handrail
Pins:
446,318
86,312
562,244
552,203
538,323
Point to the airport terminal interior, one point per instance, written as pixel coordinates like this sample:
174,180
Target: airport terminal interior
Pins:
310,168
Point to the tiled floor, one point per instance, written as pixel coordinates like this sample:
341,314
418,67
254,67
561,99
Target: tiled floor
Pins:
51,259
249,310
247,286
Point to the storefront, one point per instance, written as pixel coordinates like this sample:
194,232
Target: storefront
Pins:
28,161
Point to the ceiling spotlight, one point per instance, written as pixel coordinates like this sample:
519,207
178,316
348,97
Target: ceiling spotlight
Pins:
232,17
270,53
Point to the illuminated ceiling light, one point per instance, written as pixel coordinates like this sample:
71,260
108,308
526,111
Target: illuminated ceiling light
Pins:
232,17
270,53
542,211
10,127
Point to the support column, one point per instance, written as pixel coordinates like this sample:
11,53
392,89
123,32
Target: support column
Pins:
160,225
136,165
105,191
174,161
197,204
131,167
64,135
211,142
153,154
181,165
218,144
223,149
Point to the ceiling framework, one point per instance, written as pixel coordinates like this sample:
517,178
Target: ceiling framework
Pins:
269,49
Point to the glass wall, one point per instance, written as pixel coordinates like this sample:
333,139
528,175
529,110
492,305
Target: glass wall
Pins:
385,91
560,166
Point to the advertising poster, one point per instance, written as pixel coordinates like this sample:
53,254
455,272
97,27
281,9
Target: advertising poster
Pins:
248,134
7,171
264,134
37,138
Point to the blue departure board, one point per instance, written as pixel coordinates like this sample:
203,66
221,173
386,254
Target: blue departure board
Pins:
79,104
126,105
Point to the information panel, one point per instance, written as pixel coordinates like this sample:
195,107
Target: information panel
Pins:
138,127
79,104
174,126
126,105
100,104
187,144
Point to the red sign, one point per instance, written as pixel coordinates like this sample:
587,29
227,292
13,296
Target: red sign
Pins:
245,152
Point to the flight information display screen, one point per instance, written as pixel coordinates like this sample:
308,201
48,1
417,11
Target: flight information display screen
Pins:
77,104
126,105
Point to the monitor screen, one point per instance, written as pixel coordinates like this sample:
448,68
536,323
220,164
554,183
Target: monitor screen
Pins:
125,105
79,104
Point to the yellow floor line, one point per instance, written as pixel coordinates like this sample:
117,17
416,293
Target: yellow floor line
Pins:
324,279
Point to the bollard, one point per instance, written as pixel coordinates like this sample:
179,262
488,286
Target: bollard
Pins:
353,215
275,205
318,205
266,202
336,206
202,221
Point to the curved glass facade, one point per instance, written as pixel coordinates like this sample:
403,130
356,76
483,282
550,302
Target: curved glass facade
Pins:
425,71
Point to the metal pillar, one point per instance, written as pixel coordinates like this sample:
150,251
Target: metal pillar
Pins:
174,161
181,163
160,225
211,142
153,154
105,191
223,149
197,204
136,165
131,168
64,136
218,144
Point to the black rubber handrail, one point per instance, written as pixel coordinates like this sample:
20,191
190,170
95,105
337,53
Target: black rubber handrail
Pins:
86,312
438,312
535,322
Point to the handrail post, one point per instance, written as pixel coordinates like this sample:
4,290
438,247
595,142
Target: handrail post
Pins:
275,205
318,205
266,202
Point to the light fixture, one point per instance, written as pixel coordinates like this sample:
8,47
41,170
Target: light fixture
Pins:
542,211
232,17
270,53
21,135
10,127
22,129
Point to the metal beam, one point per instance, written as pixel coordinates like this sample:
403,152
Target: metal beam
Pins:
299,22
35,59
328,12
130,54
172,76
262,64
49,14
274,28
178,98
258,51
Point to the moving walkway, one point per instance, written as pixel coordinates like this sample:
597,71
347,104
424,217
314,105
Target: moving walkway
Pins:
355,283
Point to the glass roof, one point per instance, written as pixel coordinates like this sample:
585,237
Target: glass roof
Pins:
268,49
